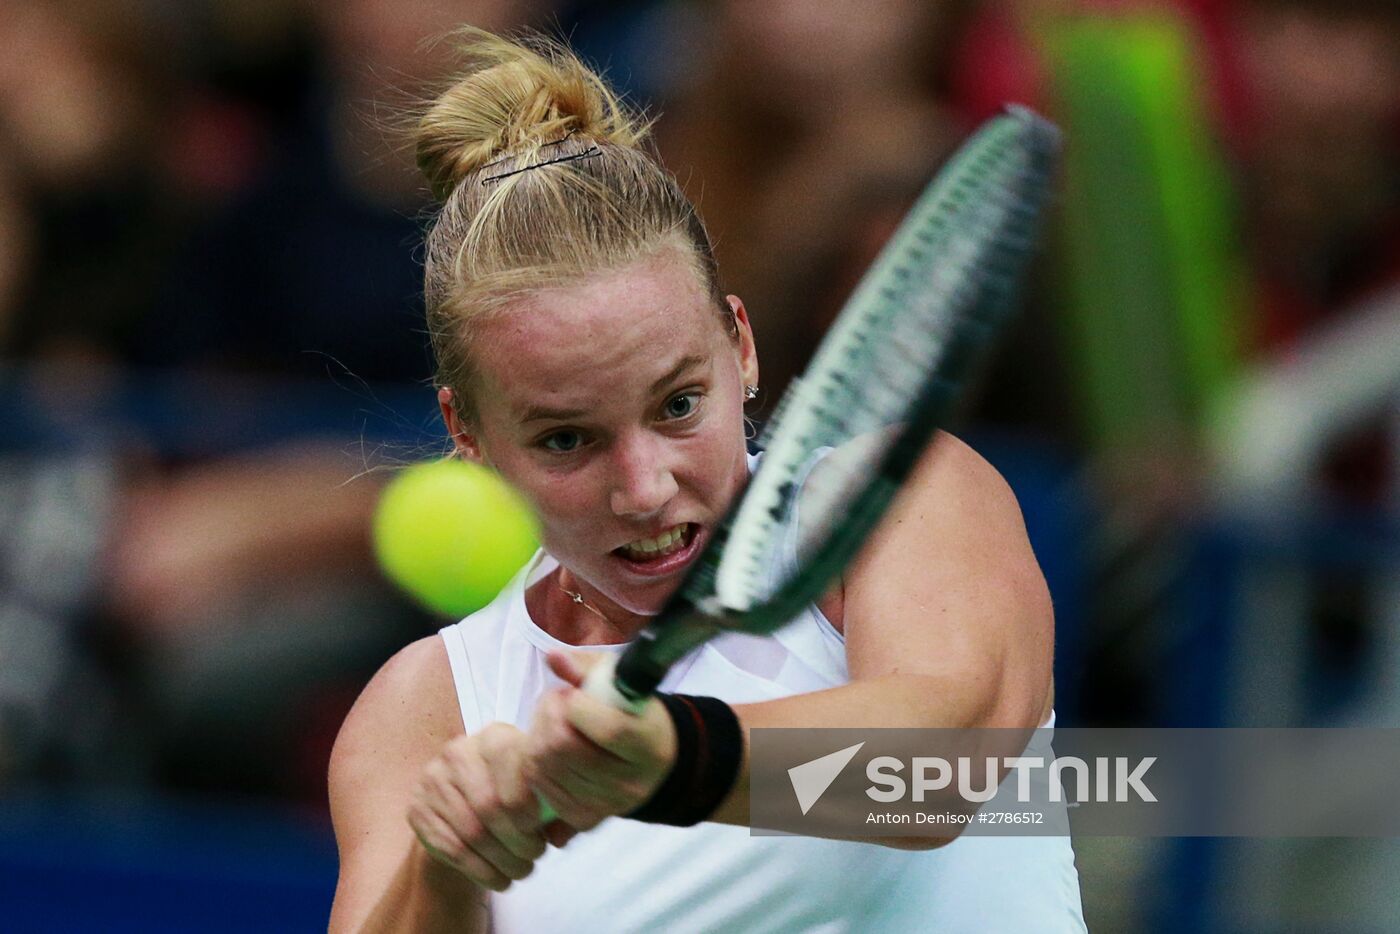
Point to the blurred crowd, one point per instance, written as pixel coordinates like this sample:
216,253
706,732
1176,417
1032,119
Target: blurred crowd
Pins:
209,215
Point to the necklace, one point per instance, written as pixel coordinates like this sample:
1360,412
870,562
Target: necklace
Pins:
577,597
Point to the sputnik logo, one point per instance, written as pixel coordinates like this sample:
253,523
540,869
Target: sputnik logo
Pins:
810,780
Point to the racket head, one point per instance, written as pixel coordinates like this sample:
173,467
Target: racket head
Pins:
885,377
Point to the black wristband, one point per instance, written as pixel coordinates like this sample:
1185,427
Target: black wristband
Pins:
709,749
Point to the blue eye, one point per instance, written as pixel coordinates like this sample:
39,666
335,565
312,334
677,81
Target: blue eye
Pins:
562,442
682,405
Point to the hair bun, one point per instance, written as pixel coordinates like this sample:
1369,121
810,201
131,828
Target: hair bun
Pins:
512,97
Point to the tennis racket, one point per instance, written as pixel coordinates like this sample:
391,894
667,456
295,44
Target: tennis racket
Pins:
880,384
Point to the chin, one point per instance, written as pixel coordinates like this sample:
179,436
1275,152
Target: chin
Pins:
648,603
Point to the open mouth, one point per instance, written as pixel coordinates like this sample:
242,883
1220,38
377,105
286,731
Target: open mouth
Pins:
671,549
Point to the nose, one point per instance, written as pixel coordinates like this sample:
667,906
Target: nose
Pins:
643,480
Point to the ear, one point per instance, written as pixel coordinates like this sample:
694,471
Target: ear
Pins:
748,353
462,439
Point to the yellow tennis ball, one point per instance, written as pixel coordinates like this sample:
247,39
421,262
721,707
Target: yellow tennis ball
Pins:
452,533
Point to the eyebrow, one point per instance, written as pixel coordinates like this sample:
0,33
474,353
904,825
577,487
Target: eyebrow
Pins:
537,413
681,366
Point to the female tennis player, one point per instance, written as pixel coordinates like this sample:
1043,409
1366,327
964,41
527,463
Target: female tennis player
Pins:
588,354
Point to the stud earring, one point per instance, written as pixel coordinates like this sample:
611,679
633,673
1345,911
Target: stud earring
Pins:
750,392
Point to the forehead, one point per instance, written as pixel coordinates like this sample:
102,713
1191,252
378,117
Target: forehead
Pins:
599,335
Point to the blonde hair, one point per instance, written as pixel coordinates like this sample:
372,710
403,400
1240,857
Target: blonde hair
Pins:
544,179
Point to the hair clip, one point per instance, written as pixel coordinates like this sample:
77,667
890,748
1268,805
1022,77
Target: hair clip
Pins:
588,153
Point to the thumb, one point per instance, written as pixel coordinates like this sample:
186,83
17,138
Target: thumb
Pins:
573,667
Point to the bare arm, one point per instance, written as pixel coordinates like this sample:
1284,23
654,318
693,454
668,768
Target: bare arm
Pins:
388,881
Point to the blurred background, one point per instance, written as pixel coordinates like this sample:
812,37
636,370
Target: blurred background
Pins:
211,343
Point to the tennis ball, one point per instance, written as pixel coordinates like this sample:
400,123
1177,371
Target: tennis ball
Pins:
452,533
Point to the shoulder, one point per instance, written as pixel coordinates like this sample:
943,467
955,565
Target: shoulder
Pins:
951,567
400,721
951,473
954,506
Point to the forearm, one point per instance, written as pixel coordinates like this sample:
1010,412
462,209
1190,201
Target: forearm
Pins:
890,701
426,897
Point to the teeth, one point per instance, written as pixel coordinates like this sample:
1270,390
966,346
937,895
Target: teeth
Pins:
664,544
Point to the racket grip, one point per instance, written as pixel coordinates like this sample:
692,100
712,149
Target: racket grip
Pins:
600,683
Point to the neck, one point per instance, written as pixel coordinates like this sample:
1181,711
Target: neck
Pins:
595,621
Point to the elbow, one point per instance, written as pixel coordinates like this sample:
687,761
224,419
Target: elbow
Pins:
916,844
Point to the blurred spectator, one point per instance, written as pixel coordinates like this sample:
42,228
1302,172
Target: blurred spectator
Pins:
1322,163
82,97
15,248
803,133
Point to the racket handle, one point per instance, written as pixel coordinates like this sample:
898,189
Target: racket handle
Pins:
600,683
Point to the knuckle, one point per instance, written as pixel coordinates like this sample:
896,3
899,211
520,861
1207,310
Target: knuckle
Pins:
611,732
634,790
533,847
445,846
457,751
577,815
497,735
471,828
483,872
437,789
516,800
436,772
488,801
517,869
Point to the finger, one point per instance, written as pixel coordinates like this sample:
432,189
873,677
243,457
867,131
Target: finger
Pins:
444,845
509,823
484,844
572,667
557,747
550,730
588,772
448,800
630,737
605,793
598,780
566,806
504,754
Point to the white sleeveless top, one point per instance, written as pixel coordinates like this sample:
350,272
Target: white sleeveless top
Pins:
628,876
